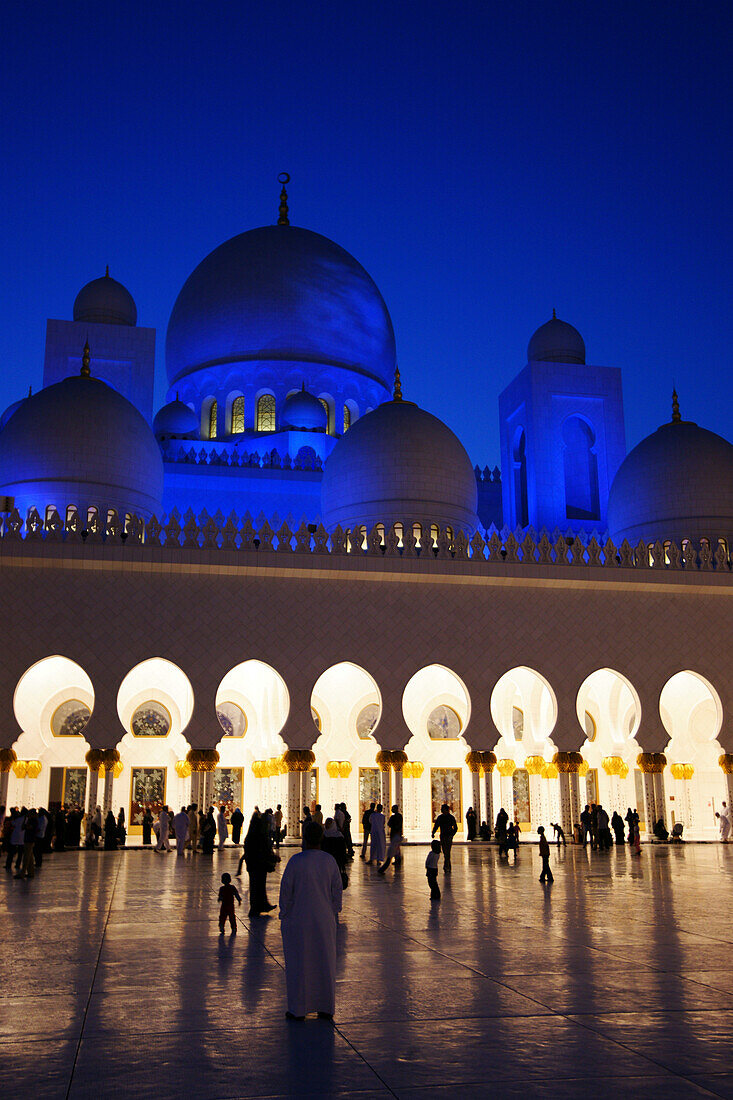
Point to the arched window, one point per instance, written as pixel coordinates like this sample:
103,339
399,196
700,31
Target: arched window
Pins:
417,533
519,461
213,411
581,470
266,413
347,418
238,416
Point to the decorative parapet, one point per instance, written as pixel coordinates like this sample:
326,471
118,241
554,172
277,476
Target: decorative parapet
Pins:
204,453
105,526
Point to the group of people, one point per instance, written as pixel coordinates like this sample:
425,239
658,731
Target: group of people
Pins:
27,833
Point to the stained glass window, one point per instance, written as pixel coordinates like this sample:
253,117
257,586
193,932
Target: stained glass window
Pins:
367,720
266,413
590,726
213,410
443,724
347,418
238,416
70,718
232,719
152,719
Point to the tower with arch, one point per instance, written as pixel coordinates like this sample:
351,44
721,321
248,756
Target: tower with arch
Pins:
562,435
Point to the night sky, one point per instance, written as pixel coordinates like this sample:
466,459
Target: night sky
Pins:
485,162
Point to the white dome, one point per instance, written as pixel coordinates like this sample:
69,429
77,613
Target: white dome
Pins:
399,464
81,443
303,410
105,302
676,484
556,342
283,296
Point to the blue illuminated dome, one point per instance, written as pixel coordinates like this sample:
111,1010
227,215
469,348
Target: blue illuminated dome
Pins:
303,410
80,443
399,464
676,484
105,302
176,419
556,342
279,297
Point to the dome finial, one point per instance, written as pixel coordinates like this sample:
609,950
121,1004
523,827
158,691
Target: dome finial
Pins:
554,315
397,394
676,418
85,361
106,271
283,218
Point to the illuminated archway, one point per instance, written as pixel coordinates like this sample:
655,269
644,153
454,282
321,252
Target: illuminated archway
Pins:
692,715
609,713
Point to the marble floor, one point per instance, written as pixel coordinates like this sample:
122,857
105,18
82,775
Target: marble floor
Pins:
615,981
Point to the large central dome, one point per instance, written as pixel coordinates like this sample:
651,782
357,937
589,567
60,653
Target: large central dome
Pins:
280,293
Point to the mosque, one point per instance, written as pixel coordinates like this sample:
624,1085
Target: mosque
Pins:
289,584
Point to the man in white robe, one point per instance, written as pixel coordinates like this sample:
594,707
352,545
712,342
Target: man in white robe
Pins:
164,829
377,840
180,823
310,901
221,827
724,823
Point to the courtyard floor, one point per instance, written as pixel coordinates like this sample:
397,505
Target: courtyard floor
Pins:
615,981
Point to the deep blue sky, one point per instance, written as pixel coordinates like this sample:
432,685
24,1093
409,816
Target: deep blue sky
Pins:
484,161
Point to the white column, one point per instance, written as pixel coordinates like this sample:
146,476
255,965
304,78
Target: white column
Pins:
728,784
650,807
92,789
536,802
476,785
507,795
304,790
385,788
490,816
660,802
566,804
398,789
574,788
109,776
292,804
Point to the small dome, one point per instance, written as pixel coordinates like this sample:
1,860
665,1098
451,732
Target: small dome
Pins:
175,418
399,464
556,342
284,297
676,484
105,302
81,443
303,410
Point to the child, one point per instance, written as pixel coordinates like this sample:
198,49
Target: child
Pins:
545,856
227,894
559,833
431,870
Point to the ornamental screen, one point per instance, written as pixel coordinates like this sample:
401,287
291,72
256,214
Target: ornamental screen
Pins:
151,720
445,786
367,720
70,718
443,724
147,791
232,719
226,788
370,789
